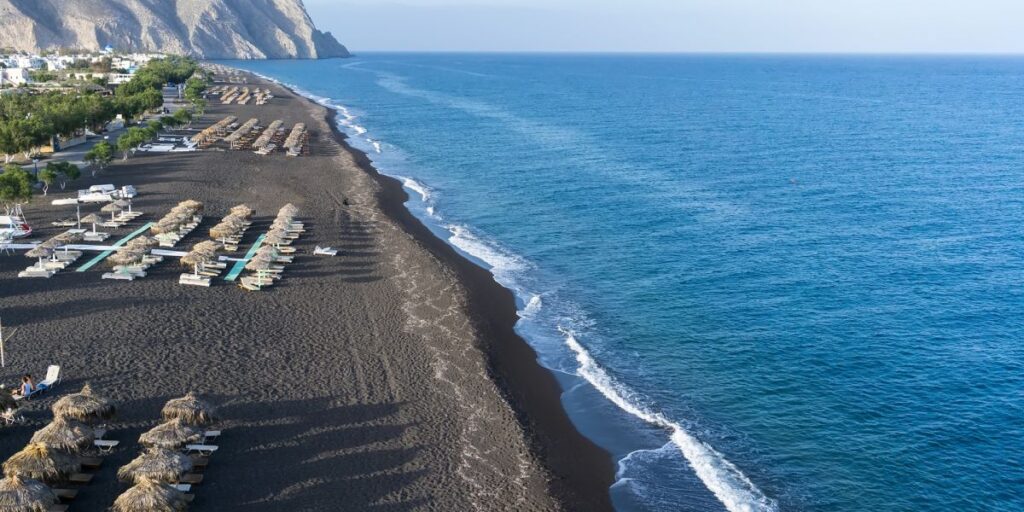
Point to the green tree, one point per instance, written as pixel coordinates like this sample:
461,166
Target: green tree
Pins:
100,156
134,138
47,176
65,171
15,186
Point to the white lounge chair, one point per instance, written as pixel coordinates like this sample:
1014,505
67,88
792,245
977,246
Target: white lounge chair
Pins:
105,446
325,251
52,377
194,280
202,449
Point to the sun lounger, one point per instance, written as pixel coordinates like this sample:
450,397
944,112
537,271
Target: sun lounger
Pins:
66,494
55,266
210,435
105,446
183,487
65,223
118,276
80,478
199,462
191,479
95,237
325,251
52,377
12,416
91,462
194,280
202,449
99,433
36,272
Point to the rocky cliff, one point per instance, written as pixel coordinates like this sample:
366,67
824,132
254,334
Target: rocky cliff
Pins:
211,29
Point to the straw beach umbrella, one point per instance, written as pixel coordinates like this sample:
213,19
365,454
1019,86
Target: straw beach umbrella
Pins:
171,435
19,494
113,209
242,211
191,204
85,405
41,252
40,462
125,257
190,409
65,434
93,219
156,464
151,496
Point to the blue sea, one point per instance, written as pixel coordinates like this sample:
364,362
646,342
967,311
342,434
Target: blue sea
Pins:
765,282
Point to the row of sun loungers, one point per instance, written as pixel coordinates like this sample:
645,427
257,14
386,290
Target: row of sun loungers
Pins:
267,265
296,141
132,260
268,135
51,258
236,139
178,223
203,256
213,132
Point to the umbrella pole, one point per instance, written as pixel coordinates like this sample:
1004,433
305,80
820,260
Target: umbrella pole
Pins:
3,361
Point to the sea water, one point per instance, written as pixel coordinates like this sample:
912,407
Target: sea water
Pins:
765,282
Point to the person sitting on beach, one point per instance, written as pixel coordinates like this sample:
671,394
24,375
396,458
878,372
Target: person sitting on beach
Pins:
27,386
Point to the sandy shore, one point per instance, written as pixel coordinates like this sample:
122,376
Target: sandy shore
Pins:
388,378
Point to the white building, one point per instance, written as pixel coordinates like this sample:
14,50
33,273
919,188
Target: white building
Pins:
14,77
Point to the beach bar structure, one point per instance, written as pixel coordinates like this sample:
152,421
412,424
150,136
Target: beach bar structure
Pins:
237,140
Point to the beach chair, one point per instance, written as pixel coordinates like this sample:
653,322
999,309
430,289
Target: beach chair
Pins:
104,446
210,436
80,478
202,449
95,237
183,487
65,223
36,271
191,479
52,377
194,280
325,251
118,276
199,462
66,494
91,462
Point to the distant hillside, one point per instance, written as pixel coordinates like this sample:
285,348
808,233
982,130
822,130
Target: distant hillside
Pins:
214,29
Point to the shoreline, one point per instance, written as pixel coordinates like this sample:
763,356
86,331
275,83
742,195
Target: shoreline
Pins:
582,471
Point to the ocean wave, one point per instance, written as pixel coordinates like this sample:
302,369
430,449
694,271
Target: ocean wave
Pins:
421,189
720,476
503,264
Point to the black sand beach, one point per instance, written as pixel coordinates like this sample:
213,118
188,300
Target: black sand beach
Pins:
387,378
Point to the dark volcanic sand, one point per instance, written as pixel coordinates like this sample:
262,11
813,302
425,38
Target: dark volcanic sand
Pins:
388,378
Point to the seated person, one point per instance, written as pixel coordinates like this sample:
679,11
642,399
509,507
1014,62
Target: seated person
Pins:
27,386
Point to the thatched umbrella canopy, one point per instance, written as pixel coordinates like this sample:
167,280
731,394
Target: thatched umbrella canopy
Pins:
242,211
122,203
267,251
65,434
223,230
206,246
93,219
112,209
125,258
85,405
191,409
191,204
165,226
156,464
274,237
171,435
151,496
40,462
258,264
40,251
19,494
144,242
289,210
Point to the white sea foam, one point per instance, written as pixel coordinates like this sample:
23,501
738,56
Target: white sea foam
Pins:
724,479
421,189
532,307
503,264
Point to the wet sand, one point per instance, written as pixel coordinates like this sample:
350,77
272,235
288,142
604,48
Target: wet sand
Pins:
387,378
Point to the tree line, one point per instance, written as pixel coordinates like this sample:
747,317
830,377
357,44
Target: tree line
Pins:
29,121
